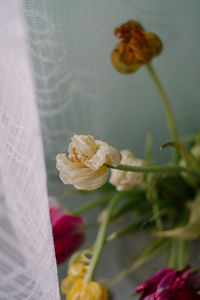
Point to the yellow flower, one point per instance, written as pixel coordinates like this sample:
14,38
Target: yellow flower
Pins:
135,47
90,291
124,180
85,168
76,270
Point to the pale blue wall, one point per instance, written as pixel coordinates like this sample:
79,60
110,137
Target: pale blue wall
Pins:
79,91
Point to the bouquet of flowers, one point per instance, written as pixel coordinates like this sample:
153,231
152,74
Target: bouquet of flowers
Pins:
163,200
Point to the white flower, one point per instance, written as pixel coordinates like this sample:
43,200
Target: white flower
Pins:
85,168
124,180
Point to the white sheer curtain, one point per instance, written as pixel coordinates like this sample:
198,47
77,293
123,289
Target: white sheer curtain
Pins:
27,262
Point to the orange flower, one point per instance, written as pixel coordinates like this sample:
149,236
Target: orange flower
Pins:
135,47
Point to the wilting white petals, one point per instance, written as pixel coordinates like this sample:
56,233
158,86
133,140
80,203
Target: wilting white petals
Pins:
105,155
85,168
82,147
124,180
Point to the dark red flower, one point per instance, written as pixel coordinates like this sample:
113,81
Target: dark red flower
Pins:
68,233
170,284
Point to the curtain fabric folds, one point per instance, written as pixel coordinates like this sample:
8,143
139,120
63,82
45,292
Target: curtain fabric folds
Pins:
27,262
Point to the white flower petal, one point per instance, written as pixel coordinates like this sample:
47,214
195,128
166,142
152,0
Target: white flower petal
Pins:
84,146
124,180
105,155
85,168
81,177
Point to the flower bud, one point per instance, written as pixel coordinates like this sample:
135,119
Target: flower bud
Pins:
68,233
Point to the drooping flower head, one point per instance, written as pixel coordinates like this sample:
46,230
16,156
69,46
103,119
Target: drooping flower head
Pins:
68,233
85,168
124,180
135,47
170,284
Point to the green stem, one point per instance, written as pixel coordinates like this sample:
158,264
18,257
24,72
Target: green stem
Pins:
171,119
178,254
182,252
172,256
101,238
92,204
158,220
152,168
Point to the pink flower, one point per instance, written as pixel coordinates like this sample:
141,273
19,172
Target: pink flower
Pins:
68,233
170,284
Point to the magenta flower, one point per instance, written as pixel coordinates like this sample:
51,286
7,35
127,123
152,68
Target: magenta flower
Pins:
68,233
170,284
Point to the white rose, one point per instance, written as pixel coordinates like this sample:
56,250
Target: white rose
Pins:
124,180
85,168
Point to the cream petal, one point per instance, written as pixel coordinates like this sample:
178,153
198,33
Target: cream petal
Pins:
85,168
104,155
81,177
84,144
126,156
65,166
123,180
88,179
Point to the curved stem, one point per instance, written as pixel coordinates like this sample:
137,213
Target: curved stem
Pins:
101,238
171,119
91,204
152,168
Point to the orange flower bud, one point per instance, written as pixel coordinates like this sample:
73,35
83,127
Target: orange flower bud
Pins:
135,47
90,291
